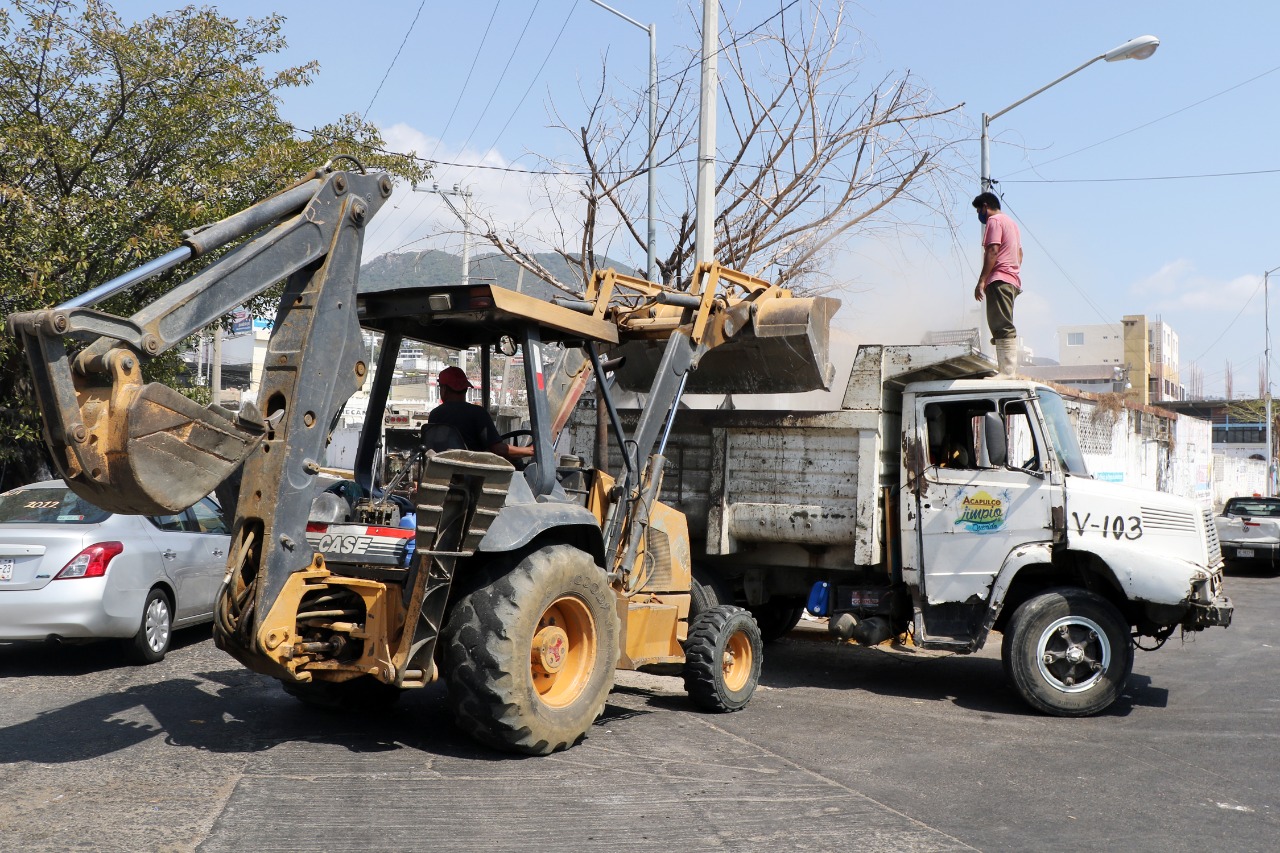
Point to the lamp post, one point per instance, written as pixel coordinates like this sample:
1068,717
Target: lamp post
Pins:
652,30
1266,374
1139,48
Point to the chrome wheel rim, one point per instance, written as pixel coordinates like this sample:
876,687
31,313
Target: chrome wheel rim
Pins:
1073,654
155,624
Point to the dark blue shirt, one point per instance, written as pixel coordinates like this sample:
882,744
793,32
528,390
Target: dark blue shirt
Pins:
471,421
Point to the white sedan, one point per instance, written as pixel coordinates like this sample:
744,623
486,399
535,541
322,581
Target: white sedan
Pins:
72,571
1249,530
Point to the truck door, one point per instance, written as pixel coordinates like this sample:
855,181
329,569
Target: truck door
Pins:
974,509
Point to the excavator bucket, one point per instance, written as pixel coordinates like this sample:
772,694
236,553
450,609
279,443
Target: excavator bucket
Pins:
772,346
175,453
133,448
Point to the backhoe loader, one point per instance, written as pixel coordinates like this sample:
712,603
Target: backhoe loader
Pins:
526,588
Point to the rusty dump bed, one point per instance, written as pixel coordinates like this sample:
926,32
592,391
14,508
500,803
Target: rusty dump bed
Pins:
761,486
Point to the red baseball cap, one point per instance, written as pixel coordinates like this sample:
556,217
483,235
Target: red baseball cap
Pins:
454,379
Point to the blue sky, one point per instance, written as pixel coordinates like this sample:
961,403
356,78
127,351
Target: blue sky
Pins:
1098,245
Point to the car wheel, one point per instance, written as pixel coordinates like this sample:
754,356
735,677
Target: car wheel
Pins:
151,642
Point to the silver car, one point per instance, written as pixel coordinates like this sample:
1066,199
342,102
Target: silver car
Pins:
72,571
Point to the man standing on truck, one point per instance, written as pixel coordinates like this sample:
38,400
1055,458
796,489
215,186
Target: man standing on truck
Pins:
472,422
999,282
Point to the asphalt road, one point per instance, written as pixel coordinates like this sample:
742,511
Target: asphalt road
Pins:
842,749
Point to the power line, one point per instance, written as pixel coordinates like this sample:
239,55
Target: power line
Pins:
1239,314
502,76
1149,178
1054,261
532,81
1149,123
466,82
407,33
514,111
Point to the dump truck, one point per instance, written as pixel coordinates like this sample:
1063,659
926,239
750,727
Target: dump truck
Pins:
526,588
932,502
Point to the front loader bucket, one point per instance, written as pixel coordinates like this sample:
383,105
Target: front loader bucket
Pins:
776,346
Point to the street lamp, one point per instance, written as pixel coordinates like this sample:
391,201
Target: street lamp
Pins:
1139,48
1266,372
652,30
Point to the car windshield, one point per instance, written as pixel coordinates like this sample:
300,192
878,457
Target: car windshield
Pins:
1253,507
1062,433
48,506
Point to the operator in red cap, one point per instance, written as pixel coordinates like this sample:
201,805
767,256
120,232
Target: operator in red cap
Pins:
471,421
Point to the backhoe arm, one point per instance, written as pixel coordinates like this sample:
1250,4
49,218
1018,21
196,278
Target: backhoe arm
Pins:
132,447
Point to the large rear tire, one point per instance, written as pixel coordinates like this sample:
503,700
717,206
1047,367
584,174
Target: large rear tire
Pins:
706,591
1068,652
530,656
722,659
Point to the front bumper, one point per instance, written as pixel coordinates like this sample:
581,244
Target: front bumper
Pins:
1216,613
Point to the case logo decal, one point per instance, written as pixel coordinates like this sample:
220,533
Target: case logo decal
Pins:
980,511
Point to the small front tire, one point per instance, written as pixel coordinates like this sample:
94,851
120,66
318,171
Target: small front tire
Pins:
151,643
1068,652
722,658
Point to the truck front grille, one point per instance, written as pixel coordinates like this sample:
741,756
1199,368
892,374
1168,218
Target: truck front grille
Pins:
1211,537
1167,519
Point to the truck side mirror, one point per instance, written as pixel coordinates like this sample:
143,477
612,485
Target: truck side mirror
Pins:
994,438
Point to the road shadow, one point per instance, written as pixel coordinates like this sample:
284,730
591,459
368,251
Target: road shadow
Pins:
232,711
967,681
37,657
1258,569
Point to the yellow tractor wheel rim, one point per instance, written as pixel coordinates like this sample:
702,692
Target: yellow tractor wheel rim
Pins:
563,652
737,662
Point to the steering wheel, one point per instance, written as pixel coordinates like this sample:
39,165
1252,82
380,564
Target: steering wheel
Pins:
510,438
517,433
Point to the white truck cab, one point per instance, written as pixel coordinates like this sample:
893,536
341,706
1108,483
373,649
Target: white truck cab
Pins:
1001,526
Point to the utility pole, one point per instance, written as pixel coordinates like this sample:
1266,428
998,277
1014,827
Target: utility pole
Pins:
1266,313
464,216
704,247
215,371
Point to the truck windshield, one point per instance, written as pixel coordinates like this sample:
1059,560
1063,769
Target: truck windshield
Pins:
1061,433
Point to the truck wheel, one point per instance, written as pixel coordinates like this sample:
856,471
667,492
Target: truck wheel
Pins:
362,695
529,657
151,643
705,592
722,658
776,618
1068,652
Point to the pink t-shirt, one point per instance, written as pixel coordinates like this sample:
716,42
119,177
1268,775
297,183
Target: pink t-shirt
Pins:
1003,230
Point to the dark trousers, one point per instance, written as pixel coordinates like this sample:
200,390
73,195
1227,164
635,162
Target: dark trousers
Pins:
1000,296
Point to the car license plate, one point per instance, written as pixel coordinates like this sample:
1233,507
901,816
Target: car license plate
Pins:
6,569
1244,553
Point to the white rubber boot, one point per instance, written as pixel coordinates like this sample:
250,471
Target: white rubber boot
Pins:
1007,357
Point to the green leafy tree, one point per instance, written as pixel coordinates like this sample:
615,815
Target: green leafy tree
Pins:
114,138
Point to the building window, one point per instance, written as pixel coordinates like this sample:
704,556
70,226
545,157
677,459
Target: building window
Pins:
1075,339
